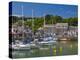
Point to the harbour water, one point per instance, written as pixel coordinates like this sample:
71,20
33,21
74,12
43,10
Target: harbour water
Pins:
59,48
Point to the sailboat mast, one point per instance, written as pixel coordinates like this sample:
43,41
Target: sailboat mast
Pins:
32,23
52,25
44,20
22,22
22,16
44,25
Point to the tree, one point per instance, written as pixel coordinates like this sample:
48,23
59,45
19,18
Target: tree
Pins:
58,19
73,21
48,19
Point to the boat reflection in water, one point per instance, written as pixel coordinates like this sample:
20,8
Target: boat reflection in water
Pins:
57,49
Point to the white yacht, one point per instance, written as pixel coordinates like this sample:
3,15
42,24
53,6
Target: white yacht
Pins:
48,40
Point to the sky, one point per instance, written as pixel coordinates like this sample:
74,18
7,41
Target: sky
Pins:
40,9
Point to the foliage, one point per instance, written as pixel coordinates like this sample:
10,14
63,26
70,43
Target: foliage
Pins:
49,19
